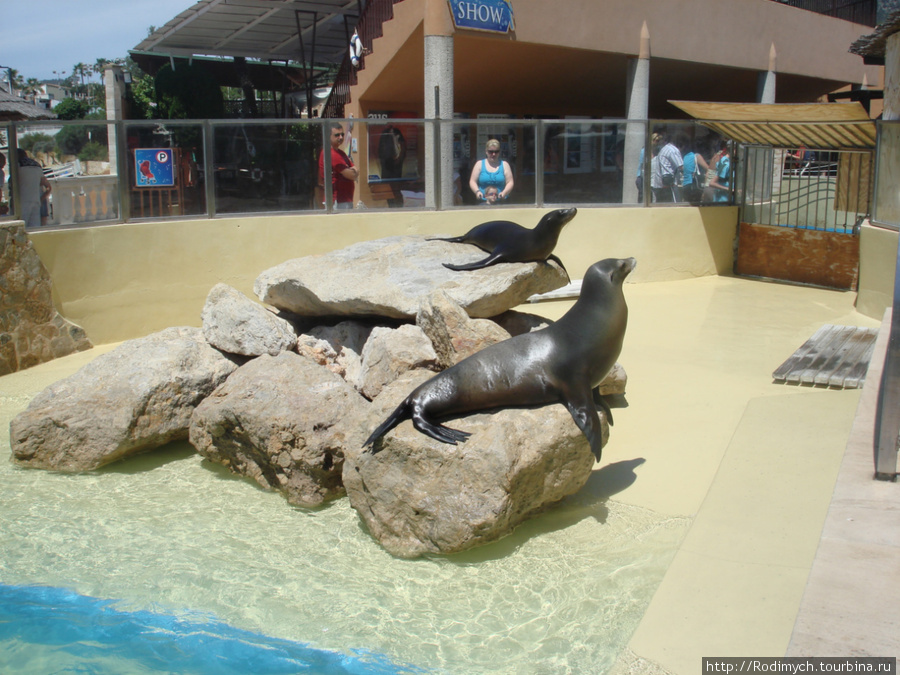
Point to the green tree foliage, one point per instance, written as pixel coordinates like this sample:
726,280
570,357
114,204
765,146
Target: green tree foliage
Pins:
72,109
93,151
37,142
73,138
187,92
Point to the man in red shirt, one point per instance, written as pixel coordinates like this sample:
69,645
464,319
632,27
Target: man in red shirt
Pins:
343,173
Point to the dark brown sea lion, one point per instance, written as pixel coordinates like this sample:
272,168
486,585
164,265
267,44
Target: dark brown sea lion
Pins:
507,241
561,363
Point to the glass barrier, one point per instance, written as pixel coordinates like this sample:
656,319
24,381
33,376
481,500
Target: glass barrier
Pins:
162,175
390,153
208,168
260,167
689,164
65,174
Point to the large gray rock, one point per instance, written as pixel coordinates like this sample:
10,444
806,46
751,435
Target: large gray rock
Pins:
453,334
388,277
284,422
390,352
236,324
133,399
418,496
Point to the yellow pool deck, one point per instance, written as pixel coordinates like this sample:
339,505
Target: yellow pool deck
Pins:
793,548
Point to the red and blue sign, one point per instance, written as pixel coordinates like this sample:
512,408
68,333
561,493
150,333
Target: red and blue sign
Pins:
154,167
495,16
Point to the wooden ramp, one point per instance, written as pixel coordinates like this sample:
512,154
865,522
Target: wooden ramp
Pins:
836,356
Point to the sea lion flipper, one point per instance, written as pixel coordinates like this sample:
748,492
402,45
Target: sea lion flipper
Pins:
439,432
600,400
401,412
452,240
559,262
581,407
490,260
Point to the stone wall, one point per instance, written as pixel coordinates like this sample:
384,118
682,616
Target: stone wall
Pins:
31,330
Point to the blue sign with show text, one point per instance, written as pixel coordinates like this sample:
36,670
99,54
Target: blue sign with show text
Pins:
154,167
495,16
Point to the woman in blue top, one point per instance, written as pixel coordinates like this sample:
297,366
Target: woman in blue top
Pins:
721,182
491,172
695,167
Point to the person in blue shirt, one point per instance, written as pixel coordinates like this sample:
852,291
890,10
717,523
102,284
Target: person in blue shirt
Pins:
695,168
491,171
721,182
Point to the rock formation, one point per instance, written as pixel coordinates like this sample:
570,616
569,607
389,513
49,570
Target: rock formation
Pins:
286,402
31,330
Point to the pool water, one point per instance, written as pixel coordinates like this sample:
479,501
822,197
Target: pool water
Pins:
168,563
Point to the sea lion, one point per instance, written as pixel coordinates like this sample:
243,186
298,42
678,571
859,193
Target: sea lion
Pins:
507,241
564,362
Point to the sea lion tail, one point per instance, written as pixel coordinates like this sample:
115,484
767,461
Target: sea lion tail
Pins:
401,412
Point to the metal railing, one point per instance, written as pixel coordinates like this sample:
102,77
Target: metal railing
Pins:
369,28
229,167
814,190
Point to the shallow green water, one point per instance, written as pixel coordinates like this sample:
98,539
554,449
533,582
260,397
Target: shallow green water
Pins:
171,532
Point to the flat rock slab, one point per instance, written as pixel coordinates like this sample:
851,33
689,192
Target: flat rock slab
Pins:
389,277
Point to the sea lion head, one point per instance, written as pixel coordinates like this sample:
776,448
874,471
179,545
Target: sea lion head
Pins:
611,271
556,220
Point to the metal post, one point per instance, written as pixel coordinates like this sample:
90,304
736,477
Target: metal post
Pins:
438,186
123,175
209,171
539,163
13,164
326,165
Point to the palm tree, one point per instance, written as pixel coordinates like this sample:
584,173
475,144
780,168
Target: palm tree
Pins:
32,87
99,67
80,70
16,81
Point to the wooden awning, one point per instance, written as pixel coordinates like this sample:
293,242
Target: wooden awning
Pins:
818,126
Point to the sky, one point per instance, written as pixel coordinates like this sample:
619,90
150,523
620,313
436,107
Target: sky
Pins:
40,36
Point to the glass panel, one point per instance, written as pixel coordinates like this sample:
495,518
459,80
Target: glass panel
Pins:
887,197
391,161
266,167
584,163
76,182
164,170
689,164
488,151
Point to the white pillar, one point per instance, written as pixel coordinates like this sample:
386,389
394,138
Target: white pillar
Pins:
766,87
637,107
114,82
438,87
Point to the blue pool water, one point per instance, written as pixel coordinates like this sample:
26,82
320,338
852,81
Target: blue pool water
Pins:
43,628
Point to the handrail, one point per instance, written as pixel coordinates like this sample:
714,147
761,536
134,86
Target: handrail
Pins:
369,27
